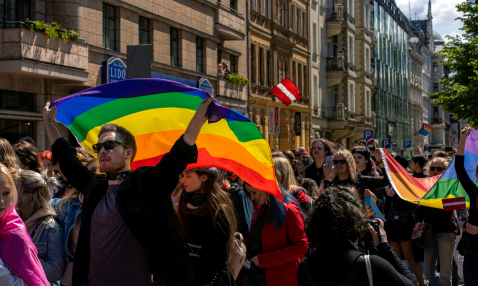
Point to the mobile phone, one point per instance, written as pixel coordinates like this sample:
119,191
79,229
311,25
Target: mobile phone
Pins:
329,159
448,149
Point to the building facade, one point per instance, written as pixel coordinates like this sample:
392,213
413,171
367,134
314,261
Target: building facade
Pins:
392,74
279,48
188,40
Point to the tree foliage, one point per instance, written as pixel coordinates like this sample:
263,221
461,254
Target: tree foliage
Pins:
460,54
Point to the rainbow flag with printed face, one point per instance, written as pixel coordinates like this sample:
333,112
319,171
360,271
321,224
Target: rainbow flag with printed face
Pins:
431,191
425,130
158,112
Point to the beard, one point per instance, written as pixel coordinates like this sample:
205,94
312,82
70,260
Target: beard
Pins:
113,166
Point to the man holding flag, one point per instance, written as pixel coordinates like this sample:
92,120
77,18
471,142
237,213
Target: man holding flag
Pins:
129,229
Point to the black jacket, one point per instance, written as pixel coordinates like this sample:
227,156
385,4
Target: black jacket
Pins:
330,265
144,202
314,173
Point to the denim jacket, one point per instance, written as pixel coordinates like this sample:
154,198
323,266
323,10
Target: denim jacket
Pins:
51,250
67,219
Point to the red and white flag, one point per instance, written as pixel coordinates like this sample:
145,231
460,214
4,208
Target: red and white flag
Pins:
369,140
286,91
454,204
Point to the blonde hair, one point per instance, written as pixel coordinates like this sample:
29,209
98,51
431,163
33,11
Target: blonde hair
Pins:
284,173
9,158
6,172
442,160
39,185
350,164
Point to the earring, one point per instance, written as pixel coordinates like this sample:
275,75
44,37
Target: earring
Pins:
268,200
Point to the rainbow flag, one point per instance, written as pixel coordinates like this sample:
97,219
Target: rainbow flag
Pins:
158,112
431,191
425,129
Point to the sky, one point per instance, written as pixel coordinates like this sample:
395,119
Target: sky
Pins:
443,12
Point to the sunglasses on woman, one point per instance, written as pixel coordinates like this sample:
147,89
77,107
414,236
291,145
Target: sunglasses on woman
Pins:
109,145
339,162
439,169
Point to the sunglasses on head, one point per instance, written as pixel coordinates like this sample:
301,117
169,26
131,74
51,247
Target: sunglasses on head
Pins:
439,169
339,162
109,145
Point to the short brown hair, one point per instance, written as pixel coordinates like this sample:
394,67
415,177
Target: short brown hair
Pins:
28,155
126,136
328,146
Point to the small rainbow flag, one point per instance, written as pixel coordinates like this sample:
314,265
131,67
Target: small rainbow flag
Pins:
425,129
158,112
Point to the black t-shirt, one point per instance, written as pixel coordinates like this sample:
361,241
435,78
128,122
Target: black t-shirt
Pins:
314,173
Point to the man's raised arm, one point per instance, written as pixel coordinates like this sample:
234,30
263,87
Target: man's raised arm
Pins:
77,174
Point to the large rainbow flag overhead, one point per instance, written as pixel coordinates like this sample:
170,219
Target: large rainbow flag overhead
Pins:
158,112
430,191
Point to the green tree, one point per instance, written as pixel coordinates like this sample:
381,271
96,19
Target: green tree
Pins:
460,54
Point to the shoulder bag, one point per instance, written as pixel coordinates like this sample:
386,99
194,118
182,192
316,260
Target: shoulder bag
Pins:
41,228
397,217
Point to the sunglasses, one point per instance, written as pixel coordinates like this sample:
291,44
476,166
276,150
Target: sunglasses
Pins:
339,162
439,169
109,145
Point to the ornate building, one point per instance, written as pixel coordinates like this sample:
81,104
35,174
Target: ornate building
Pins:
279,48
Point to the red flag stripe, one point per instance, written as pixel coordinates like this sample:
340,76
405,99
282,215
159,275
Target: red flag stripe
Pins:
287,83
284,98
454,204
286,91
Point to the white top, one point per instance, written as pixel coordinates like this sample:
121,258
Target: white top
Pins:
7,278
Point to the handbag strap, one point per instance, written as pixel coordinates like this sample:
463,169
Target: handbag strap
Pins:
369,269
349,280
40,229
308,273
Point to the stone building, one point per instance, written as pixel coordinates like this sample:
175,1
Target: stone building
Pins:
347,104
279,48
392,74
188,38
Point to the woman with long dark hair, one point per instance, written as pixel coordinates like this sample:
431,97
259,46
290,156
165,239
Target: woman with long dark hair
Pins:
28,156
276,241
320,148
208,222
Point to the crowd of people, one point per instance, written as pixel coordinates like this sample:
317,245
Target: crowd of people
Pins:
67,218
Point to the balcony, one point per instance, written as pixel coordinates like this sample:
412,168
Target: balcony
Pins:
229,90
231,24
336,69
34,54
437,121
335,20
350,19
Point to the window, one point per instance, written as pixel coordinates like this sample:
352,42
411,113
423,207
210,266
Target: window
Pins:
199,54
109,27
269,69
294,26
13,10
435,87
351,50
314,38
286,15
367,60
299,79
435,67
143,30
16,100
316,91
367,103
304,26
232,66
351,7
174,46
253,63
253,5
298,21
268,9
261,7
261,66
232,4
352,98
294,73
335,96
13,130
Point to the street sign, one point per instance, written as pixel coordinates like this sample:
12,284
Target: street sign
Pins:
273,120
205,85
298,123
407,144
114,69
387,143
367,133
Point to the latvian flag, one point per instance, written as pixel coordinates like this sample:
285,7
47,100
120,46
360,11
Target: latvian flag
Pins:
286,91
369,140
454,203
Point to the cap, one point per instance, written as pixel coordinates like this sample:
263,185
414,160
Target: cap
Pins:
209,170
301,149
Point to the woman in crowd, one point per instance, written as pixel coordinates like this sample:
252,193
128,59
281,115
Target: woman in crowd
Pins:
470,264
28,156
344,173
19,263
207,218
303,162
401,219
45,158
285,177
93,165
9,158
276,241
308,184
444,226
36,212
334,225
320,148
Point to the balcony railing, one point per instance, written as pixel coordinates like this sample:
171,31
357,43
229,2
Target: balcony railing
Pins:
367,33
350,18
437,121
336,64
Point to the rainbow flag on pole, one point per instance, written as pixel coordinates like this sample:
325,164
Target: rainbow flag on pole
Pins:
157,112
425,129
431,191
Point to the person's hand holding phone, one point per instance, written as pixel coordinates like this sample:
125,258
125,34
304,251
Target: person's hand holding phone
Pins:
328,168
